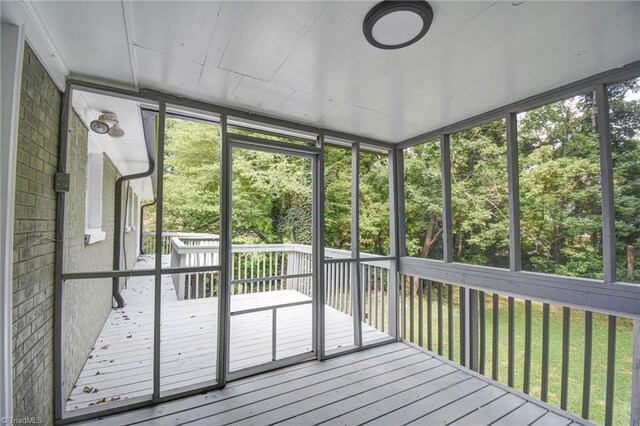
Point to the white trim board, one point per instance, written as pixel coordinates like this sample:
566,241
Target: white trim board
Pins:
12,52
22,13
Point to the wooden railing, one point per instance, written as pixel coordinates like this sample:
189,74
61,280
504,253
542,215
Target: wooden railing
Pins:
578,360
149,240
374,281
269,267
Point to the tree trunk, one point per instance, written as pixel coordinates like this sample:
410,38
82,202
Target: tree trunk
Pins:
430,238
631,260
556,244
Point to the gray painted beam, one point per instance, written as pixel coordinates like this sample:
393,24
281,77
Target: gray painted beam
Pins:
606,184
318,264
514,192
396,237
356,291
447,217
617,298
262,142
59,293
224,298
157,314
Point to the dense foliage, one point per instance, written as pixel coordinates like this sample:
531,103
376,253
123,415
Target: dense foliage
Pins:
560,200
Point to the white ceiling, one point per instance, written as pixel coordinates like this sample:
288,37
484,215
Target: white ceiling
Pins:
309,61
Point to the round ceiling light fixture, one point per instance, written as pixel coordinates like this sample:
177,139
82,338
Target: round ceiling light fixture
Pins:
396,24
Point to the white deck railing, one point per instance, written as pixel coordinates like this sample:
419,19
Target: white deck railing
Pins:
149,240
268,267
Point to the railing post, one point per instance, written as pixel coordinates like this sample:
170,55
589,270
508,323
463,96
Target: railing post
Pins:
635,375
274,331
471,350
182,262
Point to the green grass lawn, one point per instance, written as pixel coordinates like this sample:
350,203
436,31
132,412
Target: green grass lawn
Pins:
624,352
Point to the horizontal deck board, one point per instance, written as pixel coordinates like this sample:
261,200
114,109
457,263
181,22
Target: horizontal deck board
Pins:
236,408
256,384
391,384
522,416
552,419
493,411
397,383
120,365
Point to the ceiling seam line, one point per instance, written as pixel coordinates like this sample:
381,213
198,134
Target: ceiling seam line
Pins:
128,27
206,55
299,41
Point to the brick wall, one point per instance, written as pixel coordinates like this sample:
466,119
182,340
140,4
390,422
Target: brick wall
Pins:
34,234
88,303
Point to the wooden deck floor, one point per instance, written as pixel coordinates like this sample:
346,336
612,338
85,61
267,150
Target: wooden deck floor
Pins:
120,365
395,384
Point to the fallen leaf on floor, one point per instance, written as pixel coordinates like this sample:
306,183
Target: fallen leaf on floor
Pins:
101,401
193,316
129,336
87,389
97,373
105,347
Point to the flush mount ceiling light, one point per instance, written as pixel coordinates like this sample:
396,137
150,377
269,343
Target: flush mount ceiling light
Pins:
397,24
107,123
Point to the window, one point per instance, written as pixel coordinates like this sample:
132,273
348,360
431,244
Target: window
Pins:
560,191
135,206
374,203
480,196
423,200
624,113
131,208
93,212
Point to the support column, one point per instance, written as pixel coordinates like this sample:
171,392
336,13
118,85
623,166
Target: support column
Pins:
224,299
396,239
356,296
319,295
447,218
157,298
606,179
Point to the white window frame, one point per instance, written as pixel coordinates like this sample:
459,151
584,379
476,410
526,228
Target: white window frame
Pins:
93,232
130,216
